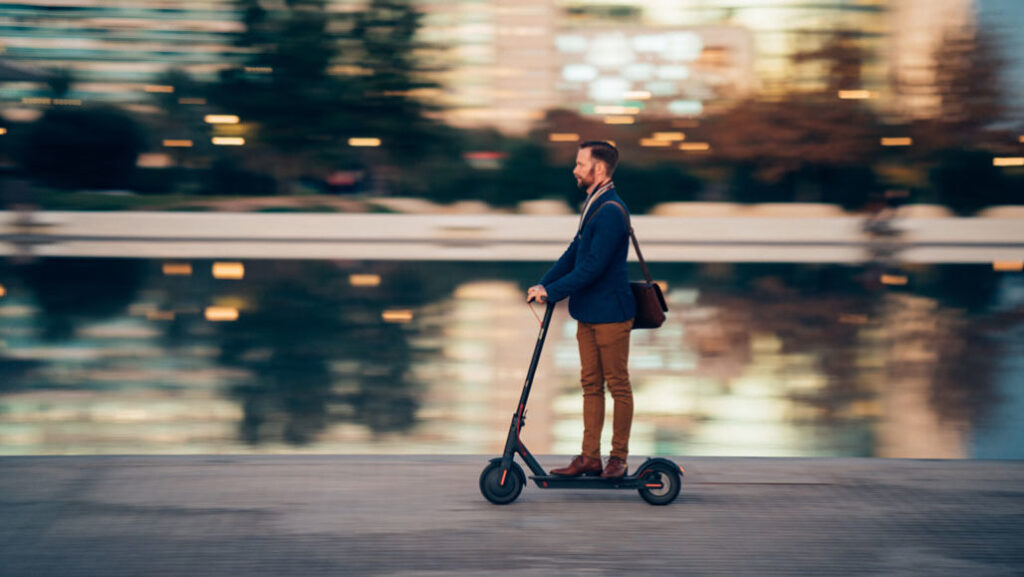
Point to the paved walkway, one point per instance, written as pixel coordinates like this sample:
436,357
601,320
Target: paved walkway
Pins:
413,515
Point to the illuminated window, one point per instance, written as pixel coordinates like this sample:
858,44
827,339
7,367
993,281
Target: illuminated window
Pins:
695,146
579,73
571,43
686,107
221,314
661,88
894,279
177,269
638,72
897,141
221,119
228,141
683,46
397,316
608,89
678,72
1001,266
228,270
364,280
364,142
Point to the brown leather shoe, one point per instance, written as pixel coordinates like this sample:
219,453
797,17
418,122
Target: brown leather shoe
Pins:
580,465
616,468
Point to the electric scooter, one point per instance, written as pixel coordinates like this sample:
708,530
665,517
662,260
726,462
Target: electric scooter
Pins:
657,480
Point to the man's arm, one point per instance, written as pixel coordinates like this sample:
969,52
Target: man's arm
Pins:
610,231
563,265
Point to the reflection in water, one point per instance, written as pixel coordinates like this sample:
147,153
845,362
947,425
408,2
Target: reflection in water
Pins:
318,353
71,292
123,356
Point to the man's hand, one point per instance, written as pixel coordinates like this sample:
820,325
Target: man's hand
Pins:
536,293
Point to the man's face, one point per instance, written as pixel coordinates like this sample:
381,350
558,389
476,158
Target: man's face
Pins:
586,169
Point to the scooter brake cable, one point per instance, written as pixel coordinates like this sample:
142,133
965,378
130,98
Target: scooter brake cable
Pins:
535,315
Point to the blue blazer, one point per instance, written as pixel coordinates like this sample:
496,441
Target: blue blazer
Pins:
592,271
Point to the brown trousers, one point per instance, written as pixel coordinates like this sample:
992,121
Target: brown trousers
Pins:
604,357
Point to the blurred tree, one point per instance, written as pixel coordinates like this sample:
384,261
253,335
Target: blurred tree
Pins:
13,370
299,321
315,78
527,174
646,176
645,187
811,146
180,118
805,148
61,82
959,143
841,56
389,107
82,148
816,313
73,291
953,352
965,386
449,179
966,181
968,69
746,186
297,110
971,287
520,171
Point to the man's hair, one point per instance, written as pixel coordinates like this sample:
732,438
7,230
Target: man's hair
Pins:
603,151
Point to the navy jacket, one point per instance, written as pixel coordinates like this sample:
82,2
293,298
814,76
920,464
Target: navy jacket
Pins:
592,271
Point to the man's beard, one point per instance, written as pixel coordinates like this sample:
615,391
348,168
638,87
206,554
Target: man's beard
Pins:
584,183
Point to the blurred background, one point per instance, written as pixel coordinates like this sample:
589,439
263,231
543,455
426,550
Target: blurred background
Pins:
386,178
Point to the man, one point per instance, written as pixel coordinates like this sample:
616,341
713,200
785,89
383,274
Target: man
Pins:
592,273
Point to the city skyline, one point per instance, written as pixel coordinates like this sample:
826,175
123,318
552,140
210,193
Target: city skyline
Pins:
504,66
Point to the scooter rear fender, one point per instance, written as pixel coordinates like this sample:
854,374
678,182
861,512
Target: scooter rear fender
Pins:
656,460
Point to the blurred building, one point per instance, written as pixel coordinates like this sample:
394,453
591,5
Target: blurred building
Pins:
918,30
661,72
498,64
508,64
115,51
779,29
503,64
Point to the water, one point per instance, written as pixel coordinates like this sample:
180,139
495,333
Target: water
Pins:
101,356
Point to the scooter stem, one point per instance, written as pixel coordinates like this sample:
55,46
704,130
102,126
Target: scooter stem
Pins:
536,356
519,418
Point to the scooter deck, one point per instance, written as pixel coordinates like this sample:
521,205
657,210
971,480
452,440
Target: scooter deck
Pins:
592,482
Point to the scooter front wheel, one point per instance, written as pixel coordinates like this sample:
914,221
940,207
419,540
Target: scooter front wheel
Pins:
502,486
660,484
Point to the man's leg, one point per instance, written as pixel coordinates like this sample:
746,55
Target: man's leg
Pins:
592,380
613,346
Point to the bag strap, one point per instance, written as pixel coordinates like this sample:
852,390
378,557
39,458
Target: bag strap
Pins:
629,223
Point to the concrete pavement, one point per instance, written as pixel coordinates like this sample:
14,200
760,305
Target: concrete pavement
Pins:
424,515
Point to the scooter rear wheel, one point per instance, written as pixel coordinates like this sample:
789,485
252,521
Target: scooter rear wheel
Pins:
670,482
500,486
